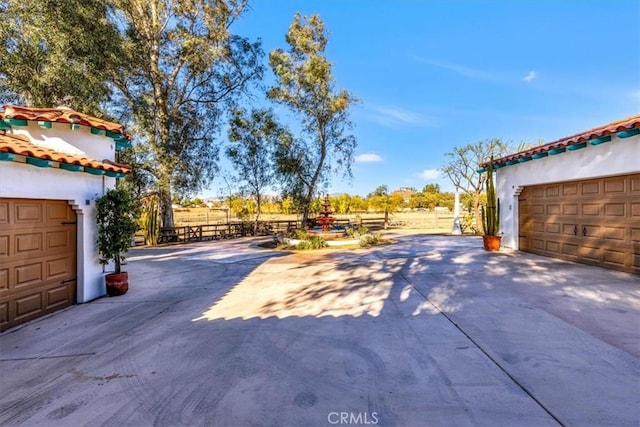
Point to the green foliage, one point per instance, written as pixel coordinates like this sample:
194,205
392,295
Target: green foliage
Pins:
431,188
371,239
184,70
254,137
491,216
313,242
468,224
358,204
298,234
305,84
463,164
287,205
57,52
357,232
117,219
380,191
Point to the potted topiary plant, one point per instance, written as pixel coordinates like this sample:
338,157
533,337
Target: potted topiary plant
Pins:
117,218
491,215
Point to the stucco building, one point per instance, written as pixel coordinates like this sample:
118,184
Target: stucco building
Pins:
577,198
54,163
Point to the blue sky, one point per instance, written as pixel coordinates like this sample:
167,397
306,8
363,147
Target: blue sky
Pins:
431,75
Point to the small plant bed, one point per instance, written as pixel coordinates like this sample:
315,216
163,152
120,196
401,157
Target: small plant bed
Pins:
300,240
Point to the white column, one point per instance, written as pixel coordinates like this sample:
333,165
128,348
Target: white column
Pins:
456,215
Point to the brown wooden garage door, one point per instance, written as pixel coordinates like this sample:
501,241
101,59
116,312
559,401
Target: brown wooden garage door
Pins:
37,259
594,221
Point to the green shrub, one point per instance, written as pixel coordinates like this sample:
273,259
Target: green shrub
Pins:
300,234
117,216
371,239
313,242
468,224
357,231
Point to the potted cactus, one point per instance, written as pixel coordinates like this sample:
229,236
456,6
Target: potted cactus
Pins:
117,218
491,214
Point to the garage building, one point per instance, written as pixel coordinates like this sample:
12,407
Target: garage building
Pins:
577,198
54,163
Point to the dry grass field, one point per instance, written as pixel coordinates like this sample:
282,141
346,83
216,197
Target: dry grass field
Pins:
434,222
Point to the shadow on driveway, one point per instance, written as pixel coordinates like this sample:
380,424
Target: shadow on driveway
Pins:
429,331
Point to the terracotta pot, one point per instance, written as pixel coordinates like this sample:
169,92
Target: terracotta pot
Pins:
491,243
117,284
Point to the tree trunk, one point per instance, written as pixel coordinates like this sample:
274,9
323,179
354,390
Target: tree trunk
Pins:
164,195
258,207
476,212
306,206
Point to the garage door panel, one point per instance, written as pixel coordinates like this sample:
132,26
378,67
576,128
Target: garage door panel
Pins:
591,231
537,226
28,244
538,209
4,213
38,254
570,189
57,297
552,190
635,211
553,209
569,209
634,184
28,213
553,228
589,253
58,268
59,239
4,279
56,212
552,246
28,275
4,314
537,192
614,258
590,188
537,244
617,209
614,233
569,229
4,246
591,209
615,186
570,249
28,306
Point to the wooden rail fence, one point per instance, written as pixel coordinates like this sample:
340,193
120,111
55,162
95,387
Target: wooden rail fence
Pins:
204,232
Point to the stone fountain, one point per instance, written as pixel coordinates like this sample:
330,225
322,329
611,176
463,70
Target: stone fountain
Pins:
325,221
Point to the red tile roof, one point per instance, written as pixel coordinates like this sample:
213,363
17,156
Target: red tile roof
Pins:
61,115
601,131
21,145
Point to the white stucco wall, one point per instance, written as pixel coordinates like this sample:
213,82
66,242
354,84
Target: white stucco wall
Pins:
79,189
60,137
616,157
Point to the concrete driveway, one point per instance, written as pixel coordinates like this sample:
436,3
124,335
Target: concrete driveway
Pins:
430,331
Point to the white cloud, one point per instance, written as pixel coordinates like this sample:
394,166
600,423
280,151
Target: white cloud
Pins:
635,95
530,76
428,174
462,70
368,158
394,117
